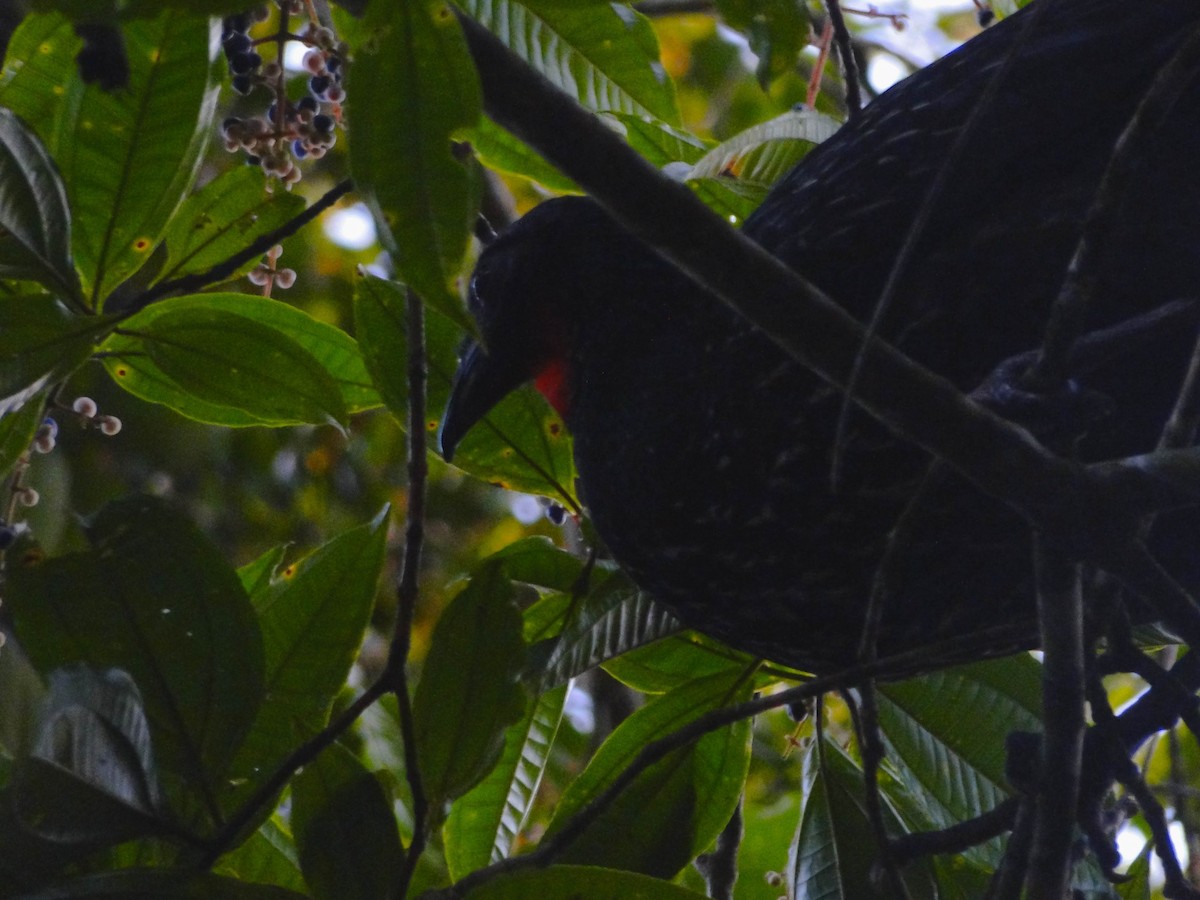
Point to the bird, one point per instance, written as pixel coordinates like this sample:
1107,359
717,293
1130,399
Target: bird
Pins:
704,453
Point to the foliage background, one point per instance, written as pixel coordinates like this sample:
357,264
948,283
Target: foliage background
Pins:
262,494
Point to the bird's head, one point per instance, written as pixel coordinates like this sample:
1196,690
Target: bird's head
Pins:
527,294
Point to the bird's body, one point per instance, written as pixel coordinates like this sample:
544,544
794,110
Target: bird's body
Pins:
705,453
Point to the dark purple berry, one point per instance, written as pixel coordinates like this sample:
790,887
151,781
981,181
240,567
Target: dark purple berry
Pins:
556,513
242,63
308,103
322,123
252,160
8,536
231,25
51,426
272,111
333,64
243,84
318,84
298,149
237,42
985,17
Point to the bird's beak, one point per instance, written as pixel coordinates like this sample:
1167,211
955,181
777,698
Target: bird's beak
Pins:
481,382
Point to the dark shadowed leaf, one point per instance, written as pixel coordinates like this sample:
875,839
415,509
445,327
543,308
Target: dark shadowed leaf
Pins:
344,829
129,157
41,342
484,823
17,430
35,241
778,30
153,597
673,660
312,615
412,88
461,710
230,360
538,561
268,857
675,809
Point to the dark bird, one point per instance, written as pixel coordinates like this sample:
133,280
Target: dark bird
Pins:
704,453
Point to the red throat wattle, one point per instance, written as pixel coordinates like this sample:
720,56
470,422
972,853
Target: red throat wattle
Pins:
553,383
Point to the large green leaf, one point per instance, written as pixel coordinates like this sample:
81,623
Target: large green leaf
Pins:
778,31
468,693
946,736
579,883
345,830
268,856
613,618
675,809
312,617
522,444
35,241
673,660
41,342
834,852
153,597
603,54
127,362
503,151
128,157
412,89
223,217
484,823
224,359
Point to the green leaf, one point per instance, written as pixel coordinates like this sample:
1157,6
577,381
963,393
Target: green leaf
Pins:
36,239
127,362
667,663
312,618
579,883
412,89
160,883
538,561
603,54
675,809
1137,887
257,574
468,692
946,736
612,619
659,142
41,342
834,849
522,444
153,597
503,151
344,827
227,359
484,823
17,431
223,217
763,154
777,30
128,158
268,856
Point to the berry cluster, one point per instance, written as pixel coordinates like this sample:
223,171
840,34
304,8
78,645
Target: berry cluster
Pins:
290,130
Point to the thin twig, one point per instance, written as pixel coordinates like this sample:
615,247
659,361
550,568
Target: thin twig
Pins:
187,284
960,837
1007,882
841,36
407,589
719,867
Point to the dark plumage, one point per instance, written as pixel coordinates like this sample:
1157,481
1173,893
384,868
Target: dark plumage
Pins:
704,453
